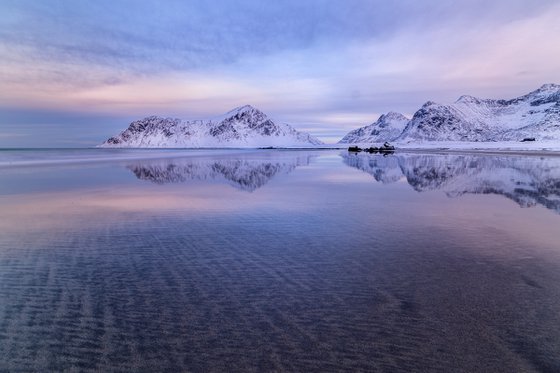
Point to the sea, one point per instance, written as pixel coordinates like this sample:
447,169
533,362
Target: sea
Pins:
278,260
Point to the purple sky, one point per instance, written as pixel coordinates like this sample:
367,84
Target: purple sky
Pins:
74,73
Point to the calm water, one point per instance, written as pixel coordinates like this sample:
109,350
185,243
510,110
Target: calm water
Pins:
278,261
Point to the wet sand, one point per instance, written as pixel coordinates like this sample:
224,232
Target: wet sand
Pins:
321,268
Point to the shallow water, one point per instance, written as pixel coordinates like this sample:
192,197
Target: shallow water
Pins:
278,261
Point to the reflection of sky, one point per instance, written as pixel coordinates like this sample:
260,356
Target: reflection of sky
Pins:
52,197
74,73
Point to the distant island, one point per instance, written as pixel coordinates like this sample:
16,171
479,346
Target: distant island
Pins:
243,127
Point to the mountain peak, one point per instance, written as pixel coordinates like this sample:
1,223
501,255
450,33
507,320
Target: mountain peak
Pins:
544,90
429,103
467,99
386,128
547,93
244,109
549,87
393,115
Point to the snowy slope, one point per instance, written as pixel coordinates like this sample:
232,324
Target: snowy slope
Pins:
243,127
387,128
536,114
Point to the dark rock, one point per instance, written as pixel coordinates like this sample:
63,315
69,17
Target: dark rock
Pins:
387,148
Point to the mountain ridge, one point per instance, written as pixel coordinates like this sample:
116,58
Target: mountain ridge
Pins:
535,115
386,128
244,126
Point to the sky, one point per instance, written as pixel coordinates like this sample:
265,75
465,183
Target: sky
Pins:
73,73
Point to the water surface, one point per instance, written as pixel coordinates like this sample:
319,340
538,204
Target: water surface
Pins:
279,261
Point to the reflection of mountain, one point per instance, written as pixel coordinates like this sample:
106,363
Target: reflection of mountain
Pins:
243,172
529,181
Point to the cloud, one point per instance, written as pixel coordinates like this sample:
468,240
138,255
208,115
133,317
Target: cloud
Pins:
328,66
150,37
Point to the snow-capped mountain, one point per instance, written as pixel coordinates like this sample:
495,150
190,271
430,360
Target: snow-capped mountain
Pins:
387,128
247,173
534,115
242,127
527,181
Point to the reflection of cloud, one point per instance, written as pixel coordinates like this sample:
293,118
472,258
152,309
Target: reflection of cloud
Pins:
42,211
529,181
37,212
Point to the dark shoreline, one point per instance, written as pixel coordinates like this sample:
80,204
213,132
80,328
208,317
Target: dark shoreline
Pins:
482,152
